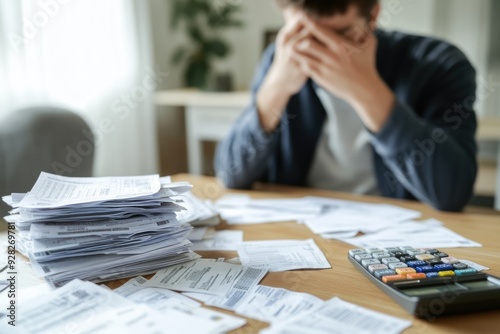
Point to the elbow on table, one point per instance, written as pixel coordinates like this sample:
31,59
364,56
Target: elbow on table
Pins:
454,201
230,178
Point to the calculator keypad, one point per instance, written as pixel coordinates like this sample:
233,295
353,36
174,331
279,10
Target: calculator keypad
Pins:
407,263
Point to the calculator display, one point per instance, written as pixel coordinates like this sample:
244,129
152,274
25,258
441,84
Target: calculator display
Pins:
421,291
479,284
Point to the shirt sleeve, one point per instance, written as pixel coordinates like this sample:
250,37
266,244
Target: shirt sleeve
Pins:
430,147
241,158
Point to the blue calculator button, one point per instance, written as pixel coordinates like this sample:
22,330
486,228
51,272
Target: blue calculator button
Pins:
432,274
424,269
443,267
414,264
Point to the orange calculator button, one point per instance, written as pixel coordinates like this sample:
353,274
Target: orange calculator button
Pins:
416,276
405,271
393,278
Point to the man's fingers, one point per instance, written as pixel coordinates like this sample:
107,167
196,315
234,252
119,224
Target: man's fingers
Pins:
328,37
290,29
308,65
312,48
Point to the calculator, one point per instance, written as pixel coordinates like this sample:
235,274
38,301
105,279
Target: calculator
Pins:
427,283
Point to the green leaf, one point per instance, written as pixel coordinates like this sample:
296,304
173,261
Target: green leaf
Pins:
196,34
178,55
217,47
197,72
175,14
231,23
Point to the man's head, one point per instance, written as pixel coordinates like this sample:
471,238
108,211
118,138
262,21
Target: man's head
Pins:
347,17
328,8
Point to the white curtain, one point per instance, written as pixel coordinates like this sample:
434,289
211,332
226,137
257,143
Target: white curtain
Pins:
93,57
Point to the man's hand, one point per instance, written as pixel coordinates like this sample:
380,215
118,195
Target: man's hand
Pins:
285,71
346,69
285,77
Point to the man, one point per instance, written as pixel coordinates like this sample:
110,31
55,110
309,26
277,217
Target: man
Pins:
338,104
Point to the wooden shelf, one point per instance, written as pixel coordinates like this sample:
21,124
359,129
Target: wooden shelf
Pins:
486,179
488,129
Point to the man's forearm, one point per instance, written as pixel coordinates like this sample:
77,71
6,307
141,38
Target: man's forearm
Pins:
373,102
271,102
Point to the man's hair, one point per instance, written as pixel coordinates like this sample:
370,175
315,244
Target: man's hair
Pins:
330,7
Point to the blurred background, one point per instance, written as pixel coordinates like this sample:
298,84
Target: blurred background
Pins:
128,69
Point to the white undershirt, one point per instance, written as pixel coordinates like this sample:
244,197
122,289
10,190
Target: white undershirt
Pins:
343,159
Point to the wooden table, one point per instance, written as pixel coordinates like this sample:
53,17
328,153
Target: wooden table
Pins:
343,280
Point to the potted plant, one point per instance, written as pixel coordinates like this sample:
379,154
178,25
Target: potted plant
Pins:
204,21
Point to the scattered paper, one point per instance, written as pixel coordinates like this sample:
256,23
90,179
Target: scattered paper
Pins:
85,307
339,235
270,304
338,316
282,255
198,233
141,291
220,241
241,209
198,212
206,276
426,234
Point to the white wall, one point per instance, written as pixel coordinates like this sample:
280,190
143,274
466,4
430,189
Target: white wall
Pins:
259,16
410,16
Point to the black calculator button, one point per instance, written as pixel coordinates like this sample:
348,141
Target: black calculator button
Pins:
399,254
434,262
460,266
441,254
408,258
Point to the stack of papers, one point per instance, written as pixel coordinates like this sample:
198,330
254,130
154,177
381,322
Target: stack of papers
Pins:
100,229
